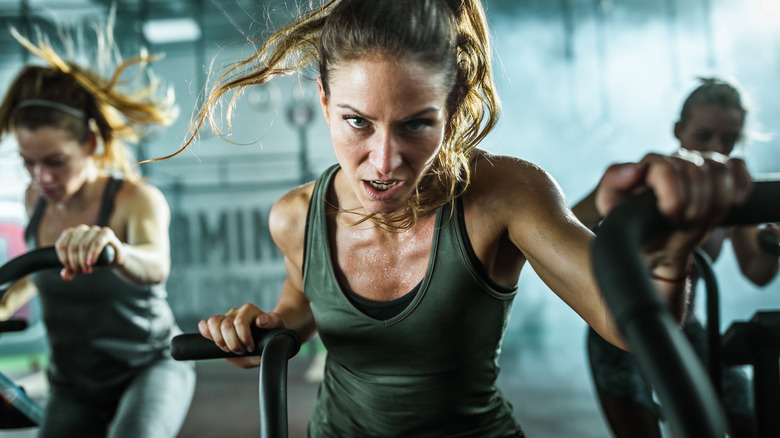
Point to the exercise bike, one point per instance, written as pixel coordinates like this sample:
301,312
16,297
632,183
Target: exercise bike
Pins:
665,357
17,409
755,342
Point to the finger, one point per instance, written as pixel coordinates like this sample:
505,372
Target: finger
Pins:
77,247
203,328
742,180
724,192
103,237
619,182
697,181
229,335
214,326
242,324
61,247
666,178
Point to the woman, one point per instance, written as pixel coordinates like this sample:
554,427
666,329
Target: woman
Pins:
712,119
109,330
405,256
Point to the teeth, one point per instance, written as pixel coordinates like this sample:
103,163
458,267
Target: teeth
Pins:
382,185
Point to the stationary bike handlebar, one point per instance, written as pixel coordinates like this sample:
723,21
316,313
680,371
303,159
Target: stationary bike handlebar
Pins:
39,259
276,346
664,355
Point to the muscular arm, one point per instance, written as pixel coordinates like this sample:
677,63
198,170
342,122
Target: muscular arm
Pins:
144,257
288,227
756,264
558,246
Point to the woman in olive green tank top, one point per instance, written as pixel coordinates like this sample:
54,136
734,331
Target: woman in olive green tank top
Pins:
109,330
414,207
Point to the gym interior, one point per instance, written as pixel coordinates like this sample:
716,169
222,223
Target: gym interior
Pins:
584,84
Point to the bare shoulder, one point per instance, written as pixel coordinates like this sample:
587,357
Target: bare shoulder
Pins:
287,218
136,194
508,182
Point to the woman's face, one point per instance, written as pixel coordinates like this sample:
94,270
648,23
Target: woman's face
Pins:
386,120
711,128
58,165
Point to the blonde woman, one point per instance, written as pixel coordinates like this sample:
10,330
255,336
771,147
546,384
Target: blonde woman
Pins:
109,329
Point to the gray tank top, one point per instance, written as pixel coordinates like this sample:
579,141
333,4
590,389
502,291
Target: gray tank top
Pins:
428,371
101,329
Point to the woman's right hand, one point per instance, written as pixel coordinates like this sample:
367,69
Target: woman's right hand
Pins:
232,331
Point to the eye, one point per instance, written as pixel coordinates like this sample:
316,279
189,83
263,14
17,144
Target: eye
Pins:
28,163
418,124
56,162
356,122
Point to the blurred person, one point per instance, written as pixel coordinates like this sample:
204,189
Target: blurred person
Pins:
404,256
109,329
712,120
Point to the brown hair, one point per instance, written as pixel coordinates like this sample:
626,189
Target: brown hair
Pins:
449,35
714,91
91,103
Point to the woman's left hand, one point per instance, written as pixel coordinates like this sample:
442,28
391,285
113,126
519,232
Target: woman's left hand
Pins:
79,247
694,192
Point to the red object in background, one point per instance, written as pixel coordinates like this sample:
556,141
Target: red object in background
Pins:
12,242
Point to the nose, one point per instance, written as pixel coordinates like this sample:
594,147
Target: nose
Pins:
385,152
718,144
41,174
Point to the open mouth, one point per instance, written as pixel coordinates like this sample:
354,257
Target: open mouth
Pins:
382,185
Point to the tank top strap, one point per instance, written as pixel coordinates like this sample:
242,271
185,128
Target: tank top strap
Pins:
315,212
31,232
107,204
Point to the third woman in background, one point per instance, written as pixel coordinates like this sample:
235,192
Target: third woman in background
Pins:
712,120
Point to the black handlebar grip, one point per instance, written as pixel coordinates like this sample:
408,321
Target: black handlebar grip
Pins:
13,325
769,242
106,257
43,258
193,346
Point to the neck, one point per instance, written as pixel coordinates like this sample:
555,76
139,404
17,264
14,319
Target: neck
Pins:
85,195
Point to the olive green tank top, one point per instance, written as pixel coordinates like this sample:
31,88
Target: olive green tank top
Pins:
429,371
101,329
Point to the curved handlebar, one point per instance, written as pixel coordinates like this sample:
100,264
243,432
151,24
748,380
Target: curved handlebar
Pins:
13,325
193,346
42,258
664,355
276,346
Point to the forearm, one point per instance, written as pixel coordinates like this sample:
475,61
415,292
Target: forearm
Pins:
15,297
670,277
142,264
295,311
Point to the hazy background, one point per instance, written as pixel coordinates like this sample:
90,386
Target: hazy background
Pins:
584,83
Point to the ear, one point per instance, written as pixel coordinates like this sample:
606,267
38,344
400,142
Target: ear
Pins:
92,143
323,100
678,127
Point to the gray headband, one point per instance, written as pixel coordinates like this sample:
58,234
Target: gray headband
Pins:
53,105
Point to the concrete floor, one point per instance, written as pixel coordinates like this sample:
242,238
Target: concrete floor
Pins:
226,401
545,407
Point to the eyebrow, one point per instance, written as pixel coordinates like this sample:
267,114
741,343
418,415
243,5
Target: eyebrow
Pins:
410,117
